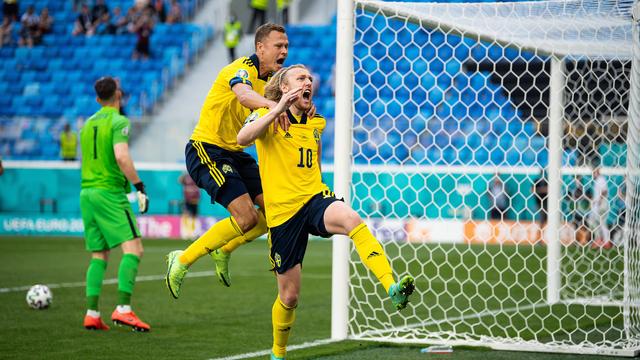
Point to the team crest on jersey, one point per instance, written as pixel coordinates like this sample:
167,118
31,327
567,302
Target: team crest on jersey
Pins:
243,74
251,118
316,135
226,168
125,131
278,259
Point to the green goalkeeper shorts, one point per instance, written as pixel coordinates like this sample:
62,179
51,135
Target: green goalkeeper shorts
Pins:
108,219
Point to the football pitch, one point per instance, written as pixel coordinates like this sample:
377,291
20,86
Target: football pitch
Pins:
209,321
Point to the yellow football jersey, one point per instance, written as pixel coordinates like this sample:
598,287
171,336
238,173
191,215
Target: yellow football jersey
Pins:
289,165
222,115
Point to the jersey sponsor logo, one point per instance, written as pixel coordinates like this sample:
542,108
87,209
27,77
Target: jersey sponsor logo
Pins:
278,260
316,135
287,135
251,118
242,74
226,168
125,131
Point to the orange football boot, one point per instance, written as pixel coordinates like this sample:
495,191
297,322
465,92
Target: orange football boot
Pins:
129,319
93,323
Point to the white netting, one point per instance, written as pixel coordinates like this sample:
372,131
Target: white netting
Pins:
453,126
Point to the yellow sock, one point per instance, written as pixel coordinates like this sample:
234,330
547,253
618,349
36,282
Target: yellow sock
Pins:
372,254
258,230
218,235
282,318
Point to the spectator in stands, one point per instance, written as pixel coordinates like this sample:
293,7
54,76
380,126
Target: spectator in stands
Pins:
98,10
10,10
104,26
29,32
143,28
5,31
77,5
579,211
498,198
68,144
540,190
283,10
134,14
232,36
599,213
46,22
175,13
160,9
119,21
259,16
83,24
191,194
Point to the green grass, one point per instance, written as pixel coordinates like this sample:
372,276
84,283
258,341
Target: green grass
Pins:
209,320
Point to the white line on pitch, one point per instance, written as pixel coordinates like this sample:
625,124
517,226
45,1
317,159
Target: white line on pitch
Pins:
267,352
150,278
106,282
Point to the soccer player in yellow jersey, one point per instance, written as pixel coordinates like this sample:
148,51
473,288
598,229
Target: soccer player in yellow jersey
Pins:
298,203
218,164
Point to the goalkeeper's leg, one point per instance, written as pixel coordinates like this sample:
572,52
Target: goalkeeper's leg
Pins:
341,219
123,314
95,275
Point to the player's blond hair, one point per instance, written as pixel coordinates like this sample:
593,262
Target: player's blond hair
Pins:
273,89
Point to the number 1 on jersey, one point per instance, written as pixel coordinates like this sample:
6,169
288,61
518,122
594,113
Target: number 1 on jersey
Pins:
95,142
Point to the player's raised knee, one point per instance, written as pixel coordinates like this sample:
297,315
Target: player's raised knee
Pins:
351,220
247,220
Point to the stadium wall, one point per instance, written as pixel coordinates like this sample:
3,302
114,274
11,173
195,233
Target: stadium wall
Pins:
42,197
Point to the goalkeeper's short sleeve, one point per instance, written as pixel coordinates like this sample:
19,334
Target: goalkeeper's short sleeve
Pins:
120,128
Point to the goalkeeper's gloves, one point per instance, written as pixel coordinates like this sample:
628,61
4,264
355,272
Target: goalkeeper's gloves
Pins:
143,199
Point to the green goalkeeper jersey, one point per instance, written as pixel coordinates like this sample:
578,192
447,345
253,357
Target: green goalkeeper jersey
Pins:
99,167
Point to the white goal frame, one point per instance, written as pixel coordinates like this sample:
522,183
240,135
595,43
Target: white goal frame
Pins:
344,167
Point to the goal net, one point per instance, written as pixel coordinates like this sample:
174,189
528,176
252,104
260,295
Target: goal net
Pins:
494,152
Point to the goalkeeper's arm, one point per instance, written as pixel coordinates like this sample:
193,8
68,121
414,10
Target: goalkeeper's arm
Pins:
121,152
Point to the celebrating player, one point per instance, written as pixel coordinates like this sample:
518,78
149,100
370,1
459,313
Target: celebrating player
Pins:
298,203
218,164
108,219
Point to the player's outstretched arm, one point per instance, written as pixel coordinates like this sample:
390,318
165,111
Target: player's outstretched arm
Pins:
251,99
254,129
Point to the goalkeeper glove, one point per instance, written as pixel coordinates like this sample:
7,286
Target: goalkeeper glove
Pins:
143,199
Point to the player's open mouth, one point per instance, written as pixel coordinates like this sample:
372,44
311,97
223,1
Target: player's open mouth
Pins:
306,94
280,61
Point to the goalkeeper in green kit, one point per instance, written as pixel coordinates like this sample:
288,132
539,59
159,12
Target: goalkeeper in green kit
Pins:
107,170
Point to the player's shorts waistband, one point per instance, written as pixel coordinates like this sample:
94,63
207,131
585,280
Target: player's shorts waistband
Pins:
211,146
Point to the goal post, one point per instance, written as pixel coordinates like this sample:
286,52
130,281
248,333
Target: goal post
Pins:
448,118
